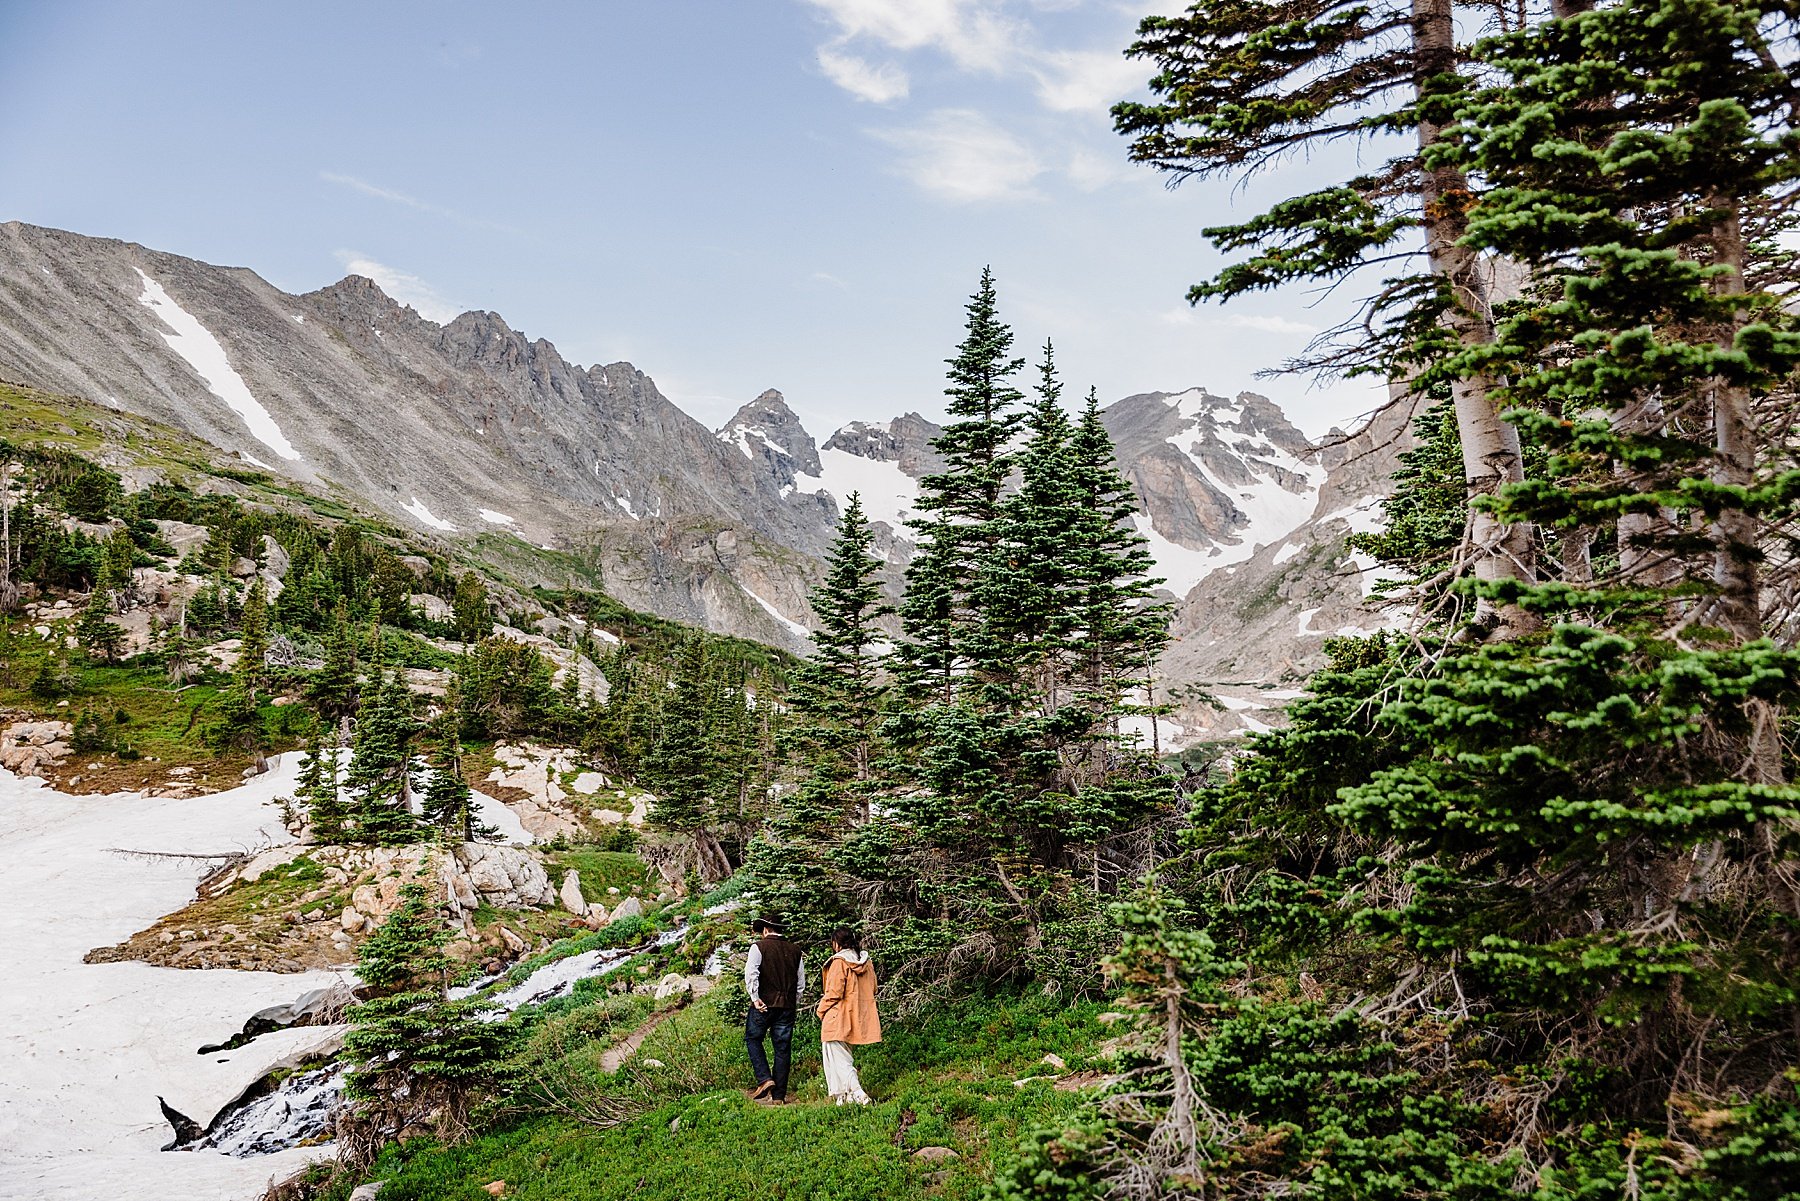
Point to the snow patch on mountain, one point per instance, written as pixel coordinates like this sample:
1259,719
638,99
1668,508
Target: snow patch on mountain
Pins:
427,518
195,344
495,517
793,627
888,493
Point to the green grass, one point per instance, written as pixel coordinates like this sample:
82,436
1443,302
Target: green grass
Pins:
945,1078
601,870
165,726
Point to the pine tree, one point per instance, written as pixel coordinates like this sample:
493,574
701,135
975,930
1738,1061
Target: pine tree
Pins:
319,789
470,608
240,727
100,639
1243,83
838,696
449,805
332,689
960,505
380,774
840,687
415,1055
253,630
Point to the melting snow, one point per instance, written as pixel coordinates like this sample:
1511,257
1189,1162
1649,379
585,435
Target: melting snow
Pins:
1363,517
203,353
494,517
417,509
794,627
256,462
1305,630
89,1047
887,492
1288,550
1182,566
625,503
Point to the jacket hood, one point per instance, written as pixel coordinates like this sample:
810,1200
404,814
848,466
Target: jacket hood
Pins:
858,961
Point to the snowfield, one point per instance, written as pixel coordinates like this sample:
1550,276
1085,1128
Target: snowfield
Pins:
194,343
888,493
88,1048
425,516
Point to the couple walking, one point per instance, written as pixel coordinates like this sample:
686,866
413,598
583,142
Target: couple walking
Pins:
775,978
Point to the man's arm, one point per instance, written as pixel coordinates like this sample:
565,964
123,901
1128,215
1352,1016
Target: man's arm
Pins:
753,975
799,981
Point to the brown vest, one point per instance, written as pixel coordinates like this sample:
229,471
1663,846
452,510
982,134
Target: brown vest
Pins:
780,967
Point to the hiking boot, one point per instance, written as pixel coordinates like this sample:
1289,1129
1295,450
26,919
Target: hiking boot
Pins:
762,1090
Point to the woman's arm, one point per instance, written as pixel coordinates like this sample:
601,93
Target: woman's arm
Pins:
837,976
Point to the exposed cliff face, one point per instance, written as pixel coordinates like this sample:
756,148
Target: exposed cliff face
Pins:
473,428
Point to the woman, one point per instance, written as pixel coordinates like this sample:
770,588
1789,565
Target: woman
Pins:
847,1016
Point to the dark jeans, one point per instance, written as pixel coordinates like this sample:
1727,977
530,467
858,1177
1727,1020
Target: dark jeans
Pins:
776,1024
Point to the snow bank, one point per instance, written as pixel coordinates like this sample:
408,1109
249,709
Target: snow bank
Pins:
88,1047
426,518
194,343
793,627
888,493
495,517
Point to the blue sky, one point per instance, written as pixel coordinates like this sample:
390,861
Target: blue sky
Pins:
796,194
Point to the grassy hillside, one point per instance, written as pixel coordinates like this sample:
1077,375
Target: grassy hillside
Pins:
948,1076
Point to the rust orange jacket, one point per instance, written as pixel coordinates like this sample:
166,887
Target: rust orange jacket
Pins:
847,1009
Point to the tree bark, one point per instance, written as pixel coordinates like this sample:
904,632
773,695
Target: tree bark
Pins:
1490,447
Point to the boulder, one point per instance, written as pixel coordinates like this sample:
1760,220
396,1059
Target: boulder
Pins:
513,942
571,894
935,1154
367,1192
629,907
507,877
435,608
183,536
670,985
352,920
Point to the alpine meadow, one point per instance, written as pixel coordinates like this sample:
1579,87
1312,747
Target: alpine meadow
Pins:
433,769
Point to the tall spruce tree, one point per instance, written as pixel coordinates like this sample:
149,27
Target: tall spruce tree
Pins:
959,507
381,770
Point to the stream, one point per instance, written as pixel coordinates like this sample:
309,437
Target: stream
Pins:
301,1110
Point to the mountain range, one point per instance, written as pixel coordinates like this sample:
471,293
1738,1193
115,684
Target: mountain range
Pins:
473,432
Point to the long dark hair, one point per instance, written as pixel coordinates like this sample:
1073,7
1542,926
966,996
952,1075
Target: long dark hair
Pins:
846,939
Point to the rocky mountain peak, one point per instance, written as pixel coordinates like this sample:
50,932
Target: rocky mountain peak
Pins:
357,300
770,434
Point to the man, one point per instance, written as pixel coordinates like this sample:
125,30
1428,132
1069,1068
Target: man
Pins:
774,976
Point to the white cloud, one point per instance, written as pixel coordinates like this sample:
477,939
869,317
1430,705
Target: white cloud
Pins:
1269,323
959,155
878,83
377,191
1262,323
402,286
975,34
1085,81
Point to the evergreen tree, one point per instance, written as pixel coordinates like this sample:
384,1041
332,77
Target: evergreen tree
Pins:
449,805
960,505
240,727
332,689
100,639
470,608
1243,83
380,773
253,630
319,790
416,1057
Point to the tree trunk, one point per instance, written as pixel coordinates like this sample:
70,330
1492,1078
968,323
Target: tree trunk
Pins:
1490,447
1736,568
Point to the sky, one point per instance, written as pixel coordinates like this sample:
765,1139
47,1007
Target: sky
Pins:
791,194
